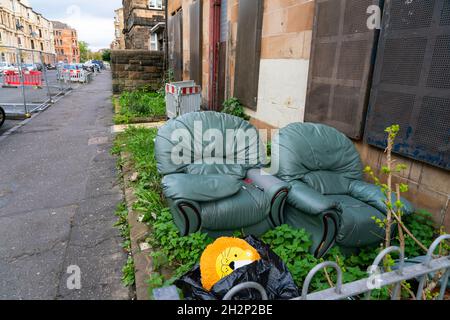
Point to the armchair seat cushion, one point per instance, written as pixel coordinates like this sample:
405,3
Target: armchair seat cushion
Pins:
246,208
358,229
200,188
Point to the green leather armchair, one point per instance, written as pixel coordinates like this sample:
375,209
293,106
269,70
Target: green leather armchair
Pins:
328,196
210,162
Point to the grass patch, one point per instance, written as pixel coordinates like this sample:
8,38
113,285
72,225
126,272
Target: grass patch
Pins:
128,278
140,105
174,255
128,275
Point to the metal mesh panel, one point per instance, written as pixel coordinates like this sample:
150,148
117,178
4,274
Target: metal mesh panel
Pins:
411,81
346,100
403,60
324,60
356,16
320,94
439,76
435,113
328,18
341,66
411,14
352,62
388,109
445,15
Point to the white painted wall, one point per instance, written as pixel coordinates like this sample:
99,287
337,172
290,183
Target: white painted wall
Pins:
282,91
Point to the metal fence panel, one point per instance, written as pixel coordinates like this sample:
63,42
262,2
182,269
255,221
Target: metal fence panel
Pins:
30,81
375,281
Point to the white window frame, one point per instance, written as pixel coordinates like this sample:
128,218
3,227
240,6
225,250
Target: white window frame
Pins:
154,42
155,4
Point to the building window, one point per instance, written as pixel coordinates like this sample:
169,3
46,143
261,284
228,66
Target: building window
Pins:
155,4
154,42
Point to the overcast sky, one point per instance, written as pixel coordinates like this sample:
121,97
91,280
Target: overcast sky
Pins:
93,19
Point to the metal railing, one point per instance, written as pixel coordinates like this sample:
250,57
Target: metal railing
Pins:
375,281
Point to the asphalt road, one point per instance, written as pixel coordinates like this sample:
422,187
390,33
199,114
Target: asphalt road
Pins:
58,194
8,125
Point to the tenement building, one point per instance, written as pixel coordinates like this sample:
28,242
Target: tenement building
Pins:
144,24
23,28
119,38
66,43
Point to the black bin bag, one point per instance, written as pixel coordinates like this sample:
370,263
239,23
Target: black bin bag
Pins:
270,272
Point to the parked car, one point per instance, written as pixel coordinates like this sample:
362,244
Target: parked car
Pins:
50,66
6,67
92,66
99,63
39,66
29,67
2,116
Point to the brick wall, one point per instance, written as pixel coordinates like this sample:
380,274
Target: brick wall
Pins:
429,186
132,69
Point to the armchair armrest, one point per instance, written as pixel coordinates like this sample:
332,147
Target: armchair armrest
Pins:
186,215
276,190
373,196
308,200
200,188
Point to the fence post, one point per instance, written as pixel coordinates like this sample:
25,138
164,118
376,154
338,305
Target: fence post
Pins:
428,258
316,269
396,292
22,81
44,70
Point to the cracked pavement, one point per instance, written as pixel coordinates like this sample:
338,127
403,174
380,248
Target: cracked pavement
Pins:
58,194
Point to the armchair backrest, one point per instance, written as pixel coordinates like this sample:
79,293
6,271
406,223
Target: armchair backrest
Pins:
317,154
208,143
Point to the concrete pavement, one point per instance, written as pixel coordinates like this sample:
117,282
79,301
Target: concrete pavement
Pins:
58,194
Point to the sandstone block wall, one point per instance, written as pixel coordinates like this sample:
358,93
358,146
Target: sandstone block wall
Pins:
133,69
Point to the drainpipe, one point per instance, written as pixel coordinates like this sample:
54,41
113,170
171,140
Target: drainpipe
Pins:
214,42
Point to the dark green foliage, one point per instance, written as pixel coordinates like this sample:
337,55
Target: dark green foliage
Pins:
422,227
234,107
128,274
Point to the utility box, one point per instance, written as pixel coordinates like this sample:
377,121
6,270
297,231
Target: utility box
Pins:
182,97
